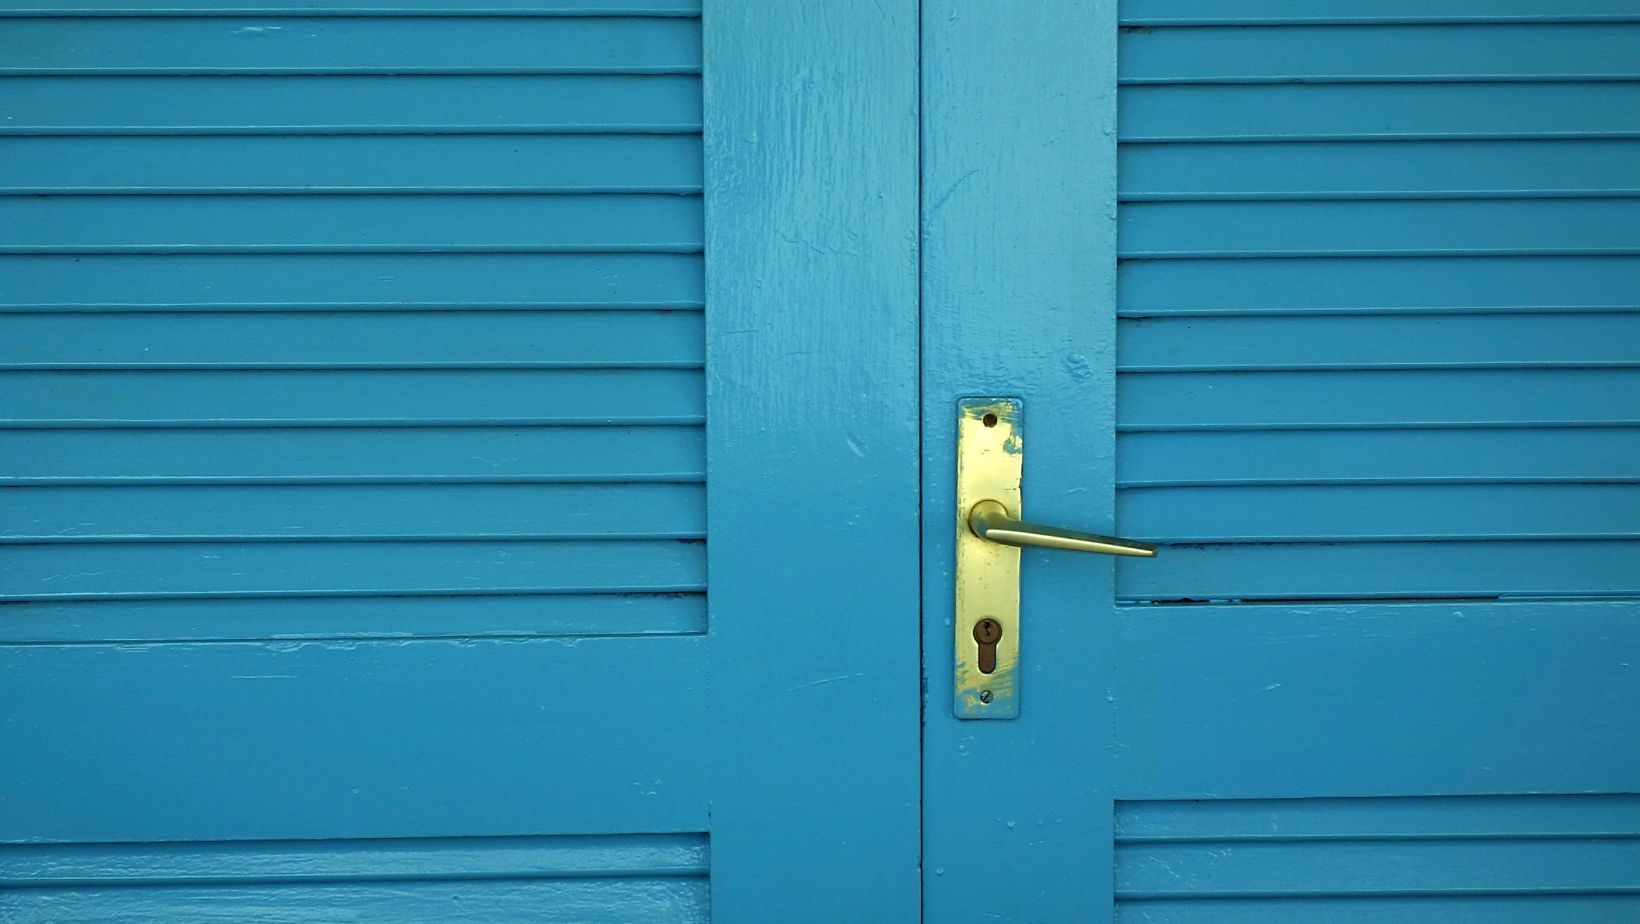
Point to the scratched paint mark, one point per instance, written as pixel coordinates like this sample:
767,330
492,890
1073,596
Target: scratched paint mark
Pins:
823,681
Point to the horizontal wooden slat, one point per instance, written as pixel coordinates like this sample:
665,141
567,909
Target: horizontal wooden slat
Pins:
370,45
1471,681
419,397
289,618
352,163
1443,909
1390,111
142,282
356,339
1379,169
572,736
353,454
1377,342
1349,513
1559,454
1529,226
599,901
1384,569
351,8
1368,53
349,105
1190,12
1406,867
260,569
373,860
1407,818
223,512
238,224
1384,398
1369,285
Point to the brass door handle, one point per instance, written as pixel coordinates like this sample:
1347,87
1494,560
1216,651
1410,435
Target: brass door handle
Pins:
989,520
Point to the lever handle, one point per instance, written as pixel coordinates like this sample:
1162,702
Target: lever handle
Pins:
990,521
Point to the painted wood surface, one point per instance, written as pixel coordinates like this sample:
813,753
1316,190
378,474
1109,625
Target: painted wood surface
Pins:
359,501
812,361
1510,858
584,878
1377,399
1373,390
1019,295
1380,375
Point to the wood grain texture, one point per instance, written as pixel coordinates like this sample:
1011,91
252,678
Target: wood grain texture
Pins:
811,169
343,860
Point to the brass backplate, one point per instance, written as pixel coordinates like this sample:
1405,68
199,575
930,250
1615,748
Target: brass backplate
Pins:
989,465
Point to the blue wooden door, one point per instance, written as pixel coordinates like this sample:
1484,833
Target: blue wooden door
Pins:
435,437
1340,303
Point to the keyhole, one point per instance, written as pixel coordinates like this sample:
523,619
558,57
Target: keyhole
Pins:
987,632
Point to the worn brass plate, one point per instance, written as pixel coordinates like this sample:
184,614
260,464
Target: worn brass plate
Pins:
989,465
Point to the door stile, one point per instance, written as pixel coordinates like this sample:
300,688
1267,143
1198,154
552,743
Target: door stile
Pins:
811,295
1018,288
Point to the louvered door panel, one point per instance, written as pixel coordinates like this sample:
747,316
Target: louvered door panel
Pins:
322,326
1372,249
377,247
1378,397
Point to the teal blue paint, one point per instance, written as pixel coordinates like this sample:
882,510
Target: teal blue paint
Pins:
1373,389
812,394
437,437
359,506
1019,188
1384,371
